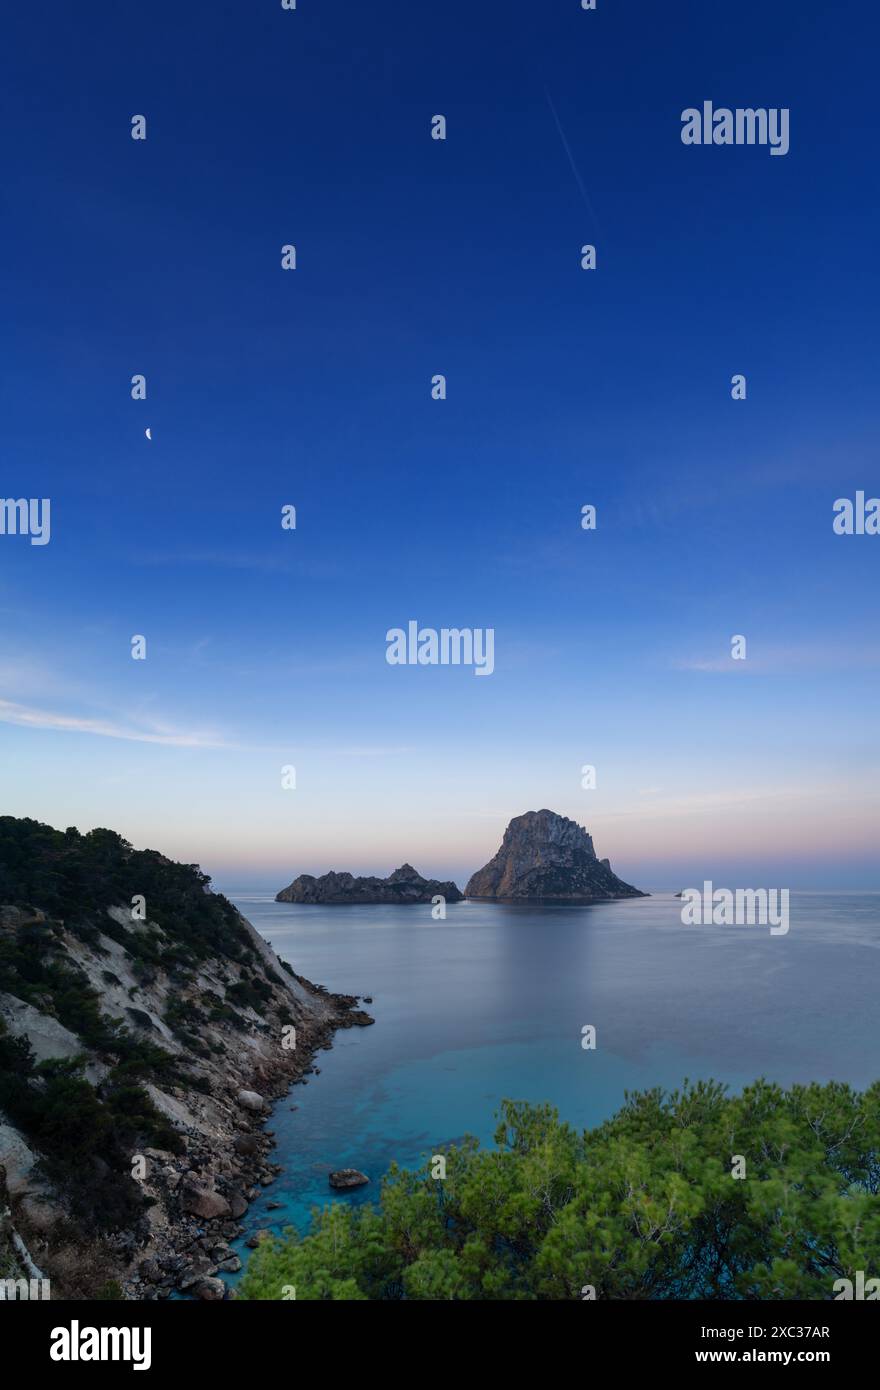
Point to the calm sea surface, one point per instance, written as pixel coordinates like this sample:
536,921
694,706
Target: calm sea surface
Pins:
490,1004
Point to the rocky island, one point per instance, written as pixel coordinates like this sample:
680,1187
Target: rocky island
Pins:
145,1028
547,857
403,886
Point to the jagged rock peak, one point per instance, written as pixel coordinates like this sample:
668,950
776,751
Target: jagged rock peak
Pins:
547,856
405,874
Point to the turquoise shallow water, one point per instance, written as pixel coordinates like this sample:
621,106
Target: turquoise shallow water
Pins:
490,1004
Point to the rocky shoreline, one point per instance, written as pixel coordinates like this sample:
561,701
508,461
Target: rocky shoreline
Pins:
206,1191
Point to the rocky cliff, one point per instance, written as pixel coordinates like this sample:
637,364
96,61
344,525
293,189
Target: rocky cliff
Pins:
144,1028
546,856
403,886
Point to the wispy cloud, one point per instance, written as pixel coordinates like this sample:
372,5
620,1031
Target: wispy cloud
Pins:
365,751
781,661
217,559
717,663
703,803
156,731
28,717
30,679
265,562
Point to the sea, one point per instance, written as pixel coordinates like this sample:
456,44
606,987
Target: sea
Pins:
493,1003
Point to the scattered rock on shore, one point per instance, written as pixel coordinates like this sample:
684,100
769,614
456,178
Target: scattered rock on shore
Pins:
252,1100
211,1290
203,1201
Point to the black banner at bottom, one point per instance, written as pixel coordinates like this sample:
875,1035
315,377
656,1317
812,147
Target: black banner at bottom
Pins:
228,1337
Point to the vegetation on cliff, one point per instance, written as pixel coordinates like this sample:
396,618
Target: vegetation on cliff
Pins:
135,1006
74,876
62,880
85,1135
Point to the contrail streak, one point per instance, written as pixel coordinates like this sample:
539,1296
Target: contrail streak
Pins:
574,168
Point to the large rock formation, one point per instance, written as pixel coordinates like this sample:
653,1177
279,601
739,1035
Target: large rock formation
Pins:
403,886
546,856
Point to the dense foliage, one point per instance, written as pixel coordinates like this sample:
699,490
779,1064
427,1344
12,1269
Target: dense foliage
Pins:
644,1207
76,877
84,1135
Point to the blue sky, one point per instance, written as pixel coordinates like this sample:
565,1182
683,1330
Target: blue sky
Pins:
565,387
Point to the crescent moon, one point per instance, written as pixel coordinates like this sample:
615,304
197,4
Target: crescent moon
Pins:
147,433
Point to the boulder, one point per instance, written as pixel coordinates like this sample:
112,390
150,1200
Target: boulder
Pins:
251,1100
237,1203
194,1273
257,1239
210,1290
348,1177
201,1200
247,1144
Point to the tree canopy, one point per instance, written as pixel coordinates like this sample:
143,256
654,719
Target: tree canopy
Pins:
77,877
646,1206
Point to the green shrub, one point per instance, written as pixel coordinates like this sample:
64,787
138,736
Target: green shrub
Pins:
643,1207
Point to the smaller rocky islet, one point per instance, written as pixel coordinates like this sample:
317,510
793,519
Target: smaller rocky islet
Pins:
405,885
